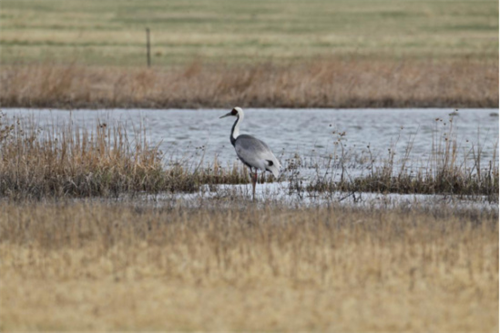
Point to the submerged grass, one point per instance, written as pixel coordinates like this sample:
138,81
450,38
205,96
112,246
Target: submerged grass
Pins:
250,267
326,82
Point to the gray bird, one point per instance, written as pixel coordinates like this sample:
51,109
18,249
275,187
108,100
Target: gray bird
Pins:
254,153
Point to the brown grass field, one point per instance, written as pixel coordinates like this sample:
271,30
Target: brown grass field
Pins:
315,83
95,266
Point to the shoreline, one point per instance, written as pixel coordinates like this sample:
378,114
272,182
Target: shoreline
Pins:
358,104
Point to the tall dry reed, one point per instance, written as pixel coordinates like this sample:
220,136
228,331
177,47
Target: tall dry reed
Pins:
71,161
446,171
64,160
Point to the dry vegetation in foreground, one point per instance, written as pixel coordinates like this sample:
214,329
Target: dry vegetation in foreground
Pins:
320,83
101,266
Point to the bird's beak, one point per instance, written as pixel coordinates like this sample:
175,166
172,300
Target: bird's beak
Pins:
226,115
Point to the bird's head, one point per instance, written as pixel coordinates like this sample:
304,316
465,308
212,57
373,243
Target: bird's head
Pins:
235,112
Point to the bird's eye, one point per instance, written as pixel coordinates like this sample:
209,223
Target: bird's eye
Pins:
234,112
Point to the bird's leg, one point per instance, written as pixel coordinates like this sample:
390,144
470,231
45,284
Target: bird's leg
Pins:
254,183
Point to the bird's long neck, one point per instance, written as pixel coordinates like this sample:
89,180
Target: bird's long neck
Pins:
235,131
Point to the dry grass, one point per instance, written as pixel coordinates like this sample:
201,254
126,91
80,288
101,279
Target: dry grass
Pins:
316,83
74,162
97,267
69,161
64,161
450,169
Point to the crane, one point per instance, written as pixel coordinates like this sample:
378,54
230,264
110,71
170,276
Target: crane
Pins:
253,152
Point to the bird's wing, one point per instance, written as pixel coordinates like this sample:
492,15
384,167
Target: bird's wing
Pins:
256,153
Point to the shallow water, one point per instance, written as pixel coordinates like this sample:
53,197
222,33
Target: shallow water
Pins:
309,133
268,193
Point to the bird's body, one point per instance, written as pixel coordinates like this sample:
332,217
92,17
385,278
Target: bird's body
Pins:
256,154
253,152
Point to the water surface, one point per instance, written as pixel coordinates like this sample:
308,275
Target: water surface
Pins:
313,134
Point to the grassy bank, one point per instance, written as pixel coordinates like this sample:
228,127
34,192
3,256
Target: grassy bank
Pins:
127,267
312,84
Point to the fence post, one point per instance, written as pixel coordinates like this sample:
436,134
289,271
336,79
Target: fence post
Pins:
148,46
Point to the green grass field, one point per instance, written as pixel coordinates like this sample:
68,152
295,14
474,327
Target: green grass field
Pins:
113,32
